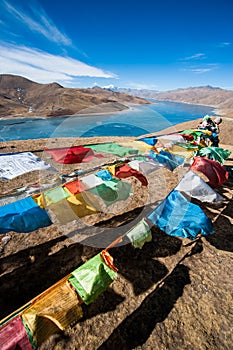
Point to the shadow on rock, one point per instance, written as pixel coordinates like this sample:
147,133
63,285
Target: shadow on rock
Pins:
136,328
106,301
222,239
28,278
139,265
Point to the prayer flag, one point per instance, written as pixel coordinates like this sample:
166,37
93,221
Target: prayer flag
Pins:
194,186
15,164
139,234
72,155
104,175
91,181
55,195
178,217
114,148
75,186
167,159
57,309
125,171
112,191
23,216
92,278
13,336
215,153
213,170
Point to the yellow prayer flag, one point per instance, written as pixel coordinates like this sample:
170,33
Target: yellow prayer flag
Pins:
39,199
181,151
83,204
55,310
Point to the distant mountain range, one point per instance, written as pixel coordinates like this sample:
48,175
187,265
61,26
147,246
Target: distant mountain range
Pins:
203,95
22,97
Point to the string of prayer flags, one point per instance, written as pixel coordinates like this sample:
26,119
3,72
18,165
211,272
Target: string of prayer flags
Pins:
215,153
195,187
126,171
139,234
23,216
72,155
55,310
176,216
92,278
214,171
196,133
14,336
166,159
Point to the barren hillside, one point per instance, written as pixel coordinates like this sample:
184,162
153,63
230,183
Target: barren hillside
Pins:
22,97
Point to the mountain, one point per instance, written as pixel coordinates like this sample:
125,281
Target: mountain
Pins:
202,95
22,97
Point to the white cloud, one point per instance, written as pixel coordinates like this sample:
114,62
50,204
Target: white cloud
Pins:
196,56
41,23
201,70
224,44
43,67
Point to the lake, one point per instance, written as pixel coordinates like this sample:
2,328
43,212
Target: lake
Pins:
139,120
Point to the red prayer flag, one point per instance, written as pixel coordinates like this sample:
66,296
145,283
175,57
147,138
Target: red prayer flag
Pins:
72,155
125,171
13,336
75,187
213,170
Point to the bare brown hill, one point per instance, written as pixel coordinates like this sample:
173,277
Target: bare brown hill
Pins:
203,95
22,97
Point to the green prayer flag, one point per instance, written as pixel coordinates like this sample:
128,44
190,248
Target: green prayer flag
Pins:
114,149
139,234
215,153
55,195
112,191
92,278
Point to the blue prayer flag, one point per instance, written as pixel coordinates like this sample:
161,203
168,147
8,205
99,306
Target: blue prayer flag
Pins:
23,216
149,140
104,175
178,217
171,161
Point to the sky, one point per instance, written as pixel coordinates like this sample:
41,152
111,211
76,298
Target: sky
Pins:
150,44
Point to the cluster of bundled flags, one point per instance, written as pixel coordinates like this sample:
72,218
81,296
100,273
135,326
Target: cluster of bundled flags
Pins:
60,305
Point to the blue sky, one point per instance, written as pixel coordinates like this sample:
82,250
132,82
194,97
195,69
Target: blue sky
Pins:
159,45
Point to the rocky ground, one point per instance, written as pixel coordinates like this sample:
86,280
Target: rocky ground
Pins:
172,294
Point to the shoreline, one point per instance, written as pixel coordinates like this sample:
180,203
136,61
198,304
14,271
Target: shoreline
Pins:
128,107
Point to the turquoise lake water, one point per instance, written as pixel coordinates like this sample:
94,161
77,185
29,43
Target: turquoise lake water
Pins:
137,121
